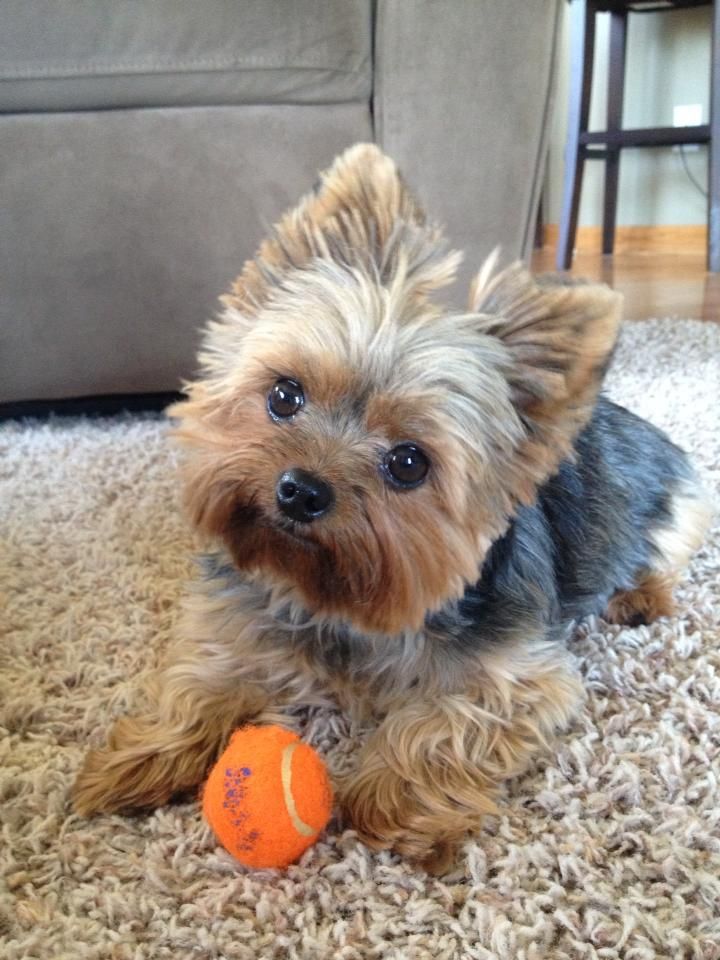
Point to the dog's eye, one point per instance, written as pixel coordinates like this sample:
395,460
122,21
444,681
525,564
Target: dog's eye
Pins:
406,465
285,399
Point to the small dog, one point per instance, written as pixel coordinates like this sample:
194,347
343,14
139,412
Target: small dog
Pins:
410,508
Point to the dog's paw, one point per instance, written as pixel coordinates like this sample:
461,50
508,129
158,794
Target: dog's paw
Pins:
389,812
110,781
144,765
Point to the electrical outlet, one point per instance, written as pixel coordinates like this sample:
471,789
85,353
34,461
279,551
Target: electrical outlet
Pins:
687,115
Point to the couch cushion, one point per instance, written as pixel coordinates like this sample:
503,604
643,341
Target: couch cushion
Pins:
107,53
478,156
122,228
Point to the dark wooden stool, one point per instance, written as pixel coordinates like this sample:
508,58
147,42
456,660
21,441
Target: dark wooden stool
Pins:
607,144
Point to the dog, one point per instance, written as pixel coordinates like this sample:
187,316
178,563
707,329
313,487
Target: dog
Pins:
406,510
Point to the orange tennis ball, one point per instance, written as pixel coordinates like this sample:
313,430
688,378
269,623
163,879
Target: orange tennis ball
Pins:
268,797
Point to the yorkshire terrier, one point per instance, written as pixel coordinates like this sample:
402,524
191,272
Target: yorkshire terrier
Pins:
409,508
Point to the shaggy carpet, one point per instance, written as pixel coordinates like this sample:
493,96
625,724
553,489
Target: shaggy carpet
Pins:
609,848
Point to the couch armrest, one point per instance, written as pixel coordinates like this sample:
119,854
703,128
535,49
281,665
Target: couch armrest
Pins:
462,101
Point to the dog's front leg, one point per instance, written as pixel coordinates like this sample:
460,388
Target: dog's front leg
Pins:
432,769
221,675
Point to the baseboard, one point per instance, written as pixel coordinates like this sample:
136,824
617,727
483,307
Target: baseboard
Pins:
682,238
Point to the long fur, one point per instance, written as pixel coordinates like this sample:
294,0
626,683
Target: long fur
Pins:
438,614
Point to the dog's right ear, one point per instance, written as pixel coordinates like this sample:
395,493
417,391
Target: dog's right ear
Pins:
559,335
360,214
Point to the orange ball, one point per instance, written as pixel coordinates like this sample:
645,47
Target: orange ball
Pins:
268,797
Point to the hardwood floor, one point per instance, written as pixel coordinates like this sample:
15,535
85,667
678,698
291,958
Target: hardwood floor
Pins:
653,284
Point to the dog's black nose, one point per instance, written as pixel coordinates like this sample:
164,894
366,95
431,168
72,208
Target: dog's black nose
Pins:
302,496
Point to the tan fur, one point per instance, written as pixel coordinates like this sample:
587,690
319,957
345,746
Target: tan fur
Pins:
352,567
221,674
443,757
339,298
559,337
381,364
362,210
652,597
676,541
431,772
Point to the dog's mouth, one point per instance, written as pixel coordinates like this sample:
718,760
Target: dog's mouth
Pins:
289,528
248,516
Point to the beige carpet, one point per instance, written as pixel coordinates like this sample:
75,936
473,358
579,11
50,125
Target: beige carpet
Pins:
610,849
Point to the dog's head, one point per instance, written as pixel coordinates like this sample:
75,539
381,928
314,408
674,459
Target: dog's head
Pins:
355,442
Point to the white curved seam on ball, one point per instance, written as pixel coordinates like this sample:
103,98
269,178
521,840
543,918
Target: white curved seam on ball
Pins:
286,776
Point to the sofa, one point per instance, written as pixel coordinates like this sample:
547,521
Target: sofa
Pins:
146,146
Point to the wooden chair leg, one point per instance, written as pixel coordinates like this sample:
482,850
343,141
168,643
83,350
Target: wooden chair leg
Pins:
616,85
582,40
714,170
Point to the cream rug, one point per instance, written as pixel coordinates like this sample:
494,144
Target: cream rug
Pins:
609,849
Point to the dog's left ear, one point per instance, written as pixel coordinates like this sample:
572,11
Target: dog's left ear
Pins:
559,335
360,214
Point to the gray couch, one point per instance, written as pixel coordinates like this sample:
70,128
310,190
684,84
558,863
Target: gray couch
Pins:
145,147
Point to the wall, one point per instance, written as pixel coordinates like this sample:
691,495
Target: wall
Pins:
668,63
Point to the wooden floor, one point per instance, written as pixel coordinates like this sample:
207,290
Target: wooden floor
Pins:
653,284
